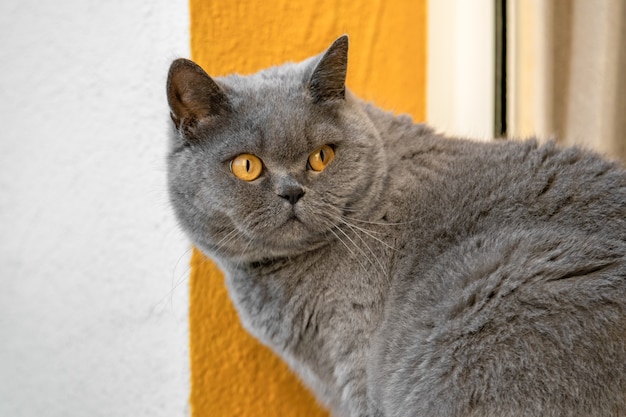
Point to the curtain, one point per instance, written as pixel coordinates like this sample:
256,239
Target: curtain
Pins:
567,72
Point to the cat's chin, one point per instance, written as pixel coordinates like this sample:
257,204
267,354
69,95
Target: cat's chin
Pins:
292,236
270,251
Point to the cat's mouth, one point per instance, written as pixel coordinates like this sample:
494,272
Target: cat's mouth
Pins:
287,230
294,226
293,230
293,217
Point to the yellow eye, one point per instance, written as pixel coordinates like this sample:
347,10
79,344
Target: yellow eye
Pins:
246,167
321,157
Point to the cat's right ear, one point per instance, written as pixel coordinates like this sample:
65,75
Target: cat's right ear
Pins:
195,99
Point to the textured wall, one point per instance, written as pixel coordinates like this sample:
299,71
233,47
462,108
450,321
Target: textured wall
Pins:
89,323
232,375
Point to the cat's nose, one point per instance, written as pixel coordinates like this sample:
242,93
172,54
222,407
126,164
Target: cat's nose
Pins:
292,193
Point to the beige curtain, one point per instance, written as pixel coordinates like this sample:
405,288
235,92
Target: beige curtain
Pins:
567,72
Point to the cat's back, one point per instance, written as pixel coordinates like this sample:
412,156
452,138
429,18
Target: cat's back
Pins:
510,294
463,186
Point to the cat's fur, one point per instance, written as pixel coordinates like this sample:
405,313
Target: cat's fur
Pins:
417,275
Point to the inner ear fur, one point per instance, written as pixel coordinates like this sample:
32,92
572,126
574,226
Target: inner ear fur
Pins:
328,81
193,96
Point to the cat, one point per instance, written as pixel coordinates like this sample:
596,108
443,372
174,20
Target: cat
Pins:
397,271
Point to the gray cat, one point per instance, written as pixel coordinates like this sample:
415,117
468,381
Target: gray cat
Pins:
397,271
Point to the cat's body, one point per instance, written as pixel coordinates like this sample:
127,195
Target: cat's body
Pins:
413,275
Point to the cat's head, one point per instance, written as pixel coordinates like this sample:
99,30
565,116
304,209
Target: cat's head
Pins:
266,165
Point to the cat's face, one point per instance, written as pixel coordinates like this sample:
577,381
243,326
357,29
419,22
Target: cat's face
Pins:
267,165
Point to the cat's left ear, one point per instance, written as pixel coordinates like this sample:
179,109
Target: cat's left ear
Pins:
328,81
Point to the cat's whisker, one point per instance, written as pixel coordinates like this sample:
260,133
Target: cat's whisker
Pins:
332,226
365,255
247,223
243,252
233,234
175,282
229,237
377,223
383,223
180,258
383,270
356,229
355,256
369,233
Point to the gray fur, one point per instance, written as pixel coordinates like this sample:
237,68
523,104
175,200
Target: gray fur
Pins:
418,275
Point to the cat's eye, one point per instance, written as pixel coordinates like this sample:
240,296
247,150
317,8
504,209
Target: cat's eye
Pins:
246,167
321,157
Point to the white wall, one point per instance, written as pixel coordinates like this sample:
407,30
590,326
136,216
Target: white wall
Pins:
90,321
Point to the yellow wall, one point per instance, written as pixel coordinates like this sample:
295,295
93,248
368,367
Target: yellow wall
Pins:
231,374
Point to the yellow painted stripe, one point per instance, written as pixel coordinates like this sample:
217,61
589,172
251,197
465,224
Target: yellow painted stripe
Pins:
231,373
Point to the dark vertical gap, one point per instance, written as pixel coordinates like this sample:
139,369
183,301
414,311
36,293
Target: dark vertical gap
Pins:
560,24
500,79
